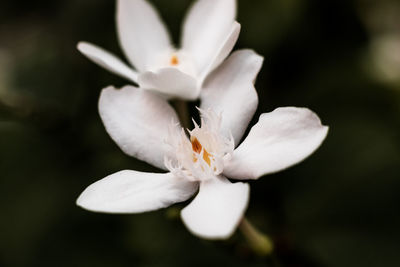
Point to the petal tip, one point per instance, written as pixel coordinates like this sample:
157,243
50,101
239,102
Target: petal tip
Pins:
84,47
82,201
217,225
220,235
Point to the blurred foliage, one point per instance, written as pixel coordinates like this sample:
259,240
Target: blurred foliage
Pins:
337,208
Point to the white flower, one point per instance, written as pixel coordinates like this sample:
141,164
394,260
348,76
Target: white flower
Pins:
140,123
208,35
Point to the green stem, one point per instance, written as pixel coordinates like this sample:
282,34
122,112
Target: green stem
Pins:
183,113
260,243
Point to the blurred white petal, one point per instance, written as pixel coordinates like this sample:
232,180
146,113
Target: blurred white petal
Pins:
107,60
222,51
170,82
205,28
141,32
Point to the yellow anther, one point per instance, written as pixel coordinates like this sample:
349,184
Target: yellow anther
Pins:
197,148
174,60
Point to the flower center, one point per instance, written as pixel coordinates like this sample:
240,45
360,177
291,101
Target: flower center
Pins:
197,148
174,60
202,156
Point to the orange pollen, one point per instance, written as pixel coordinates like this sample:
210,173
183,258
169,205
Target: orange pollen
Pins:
197,148
174,60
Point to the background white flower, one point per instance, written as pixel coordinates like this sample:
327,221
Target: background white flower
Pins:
208,36
140,123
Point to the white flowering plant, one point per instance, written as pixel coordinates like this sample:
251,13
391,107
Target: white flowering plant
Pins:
203,160
209,33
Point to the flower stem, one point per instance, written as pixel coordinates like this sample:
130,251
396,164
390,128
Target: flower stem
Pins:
260,243
183,113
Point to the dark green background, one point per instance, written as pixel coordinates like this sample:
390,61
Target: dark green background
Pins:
337,208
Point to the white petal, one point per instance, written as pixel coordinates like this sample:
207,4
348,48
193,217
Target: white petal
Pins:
218,208
230,90
205,28
138,121
141,32
223,51
134,192
107,60
170,82
279,140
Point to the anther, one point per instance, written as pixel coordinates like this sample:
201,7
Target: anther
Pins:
174,60
197,148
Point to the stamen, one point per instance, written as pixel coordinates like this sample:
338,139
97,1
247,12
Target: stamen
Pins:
174,60
197,148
